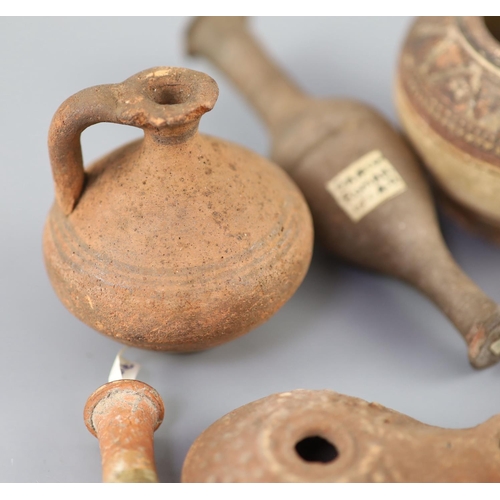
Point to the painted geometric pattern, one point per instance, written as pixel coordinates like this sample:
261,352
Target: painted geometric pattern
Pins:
454,88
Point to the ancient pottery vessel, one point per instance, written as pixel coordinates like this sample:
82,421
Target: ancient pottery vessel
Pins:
369,199
178,241
448,97
323,436
123,415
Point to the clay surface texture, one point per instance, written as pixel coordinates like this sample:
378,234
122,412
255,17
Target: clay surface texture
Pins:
323,436
123,415
179,241
370,201
448,97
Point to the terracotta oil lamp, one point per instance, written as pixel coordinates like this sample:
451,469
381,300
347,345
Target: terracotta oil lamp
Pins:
322,436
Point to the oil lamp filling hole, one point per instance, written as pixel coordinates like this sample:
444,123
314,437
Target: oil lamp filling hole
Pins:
316,449
493,25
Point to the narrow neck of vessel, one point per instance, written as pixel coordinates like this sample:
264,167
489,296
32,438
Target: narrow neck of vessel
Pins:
171,136
439,277
227,42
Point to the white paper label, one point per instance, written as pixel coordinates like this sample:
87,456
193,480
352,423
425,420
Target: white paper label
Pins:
123,368
365,184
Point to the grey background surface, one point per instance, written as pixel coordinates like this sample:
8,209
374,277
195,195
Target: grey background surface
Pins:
348,330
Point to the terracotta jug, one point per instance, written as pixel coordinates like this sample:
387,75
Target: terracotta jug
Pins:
448,98
178,241
123,415
369,199
323,436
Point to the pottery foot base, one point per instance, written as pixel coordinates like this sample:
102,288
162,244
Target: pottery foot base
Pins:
471,221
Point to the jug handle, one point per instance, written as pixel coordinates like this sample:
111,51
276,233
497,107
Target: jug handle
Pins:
83,109
160,98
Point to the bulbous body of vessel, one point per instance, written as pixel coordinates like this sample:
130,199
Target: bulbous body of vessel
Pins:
322,436
370,201
448,98
178,241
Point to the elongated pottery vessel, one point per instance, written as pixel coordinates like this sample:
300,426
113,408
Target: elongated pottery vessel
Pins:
323,436
178,241
369,199
448,98
123,415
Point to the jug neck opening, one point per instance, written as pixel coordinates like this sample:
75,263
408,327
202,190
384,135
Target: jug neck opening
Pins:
166,101
483,35
493,26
